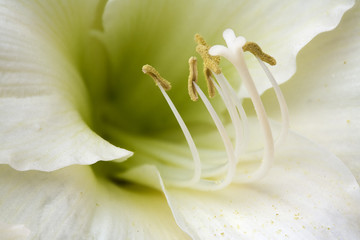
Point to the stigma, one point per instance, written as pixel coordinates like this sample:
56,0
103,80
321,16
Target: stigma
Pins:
214,175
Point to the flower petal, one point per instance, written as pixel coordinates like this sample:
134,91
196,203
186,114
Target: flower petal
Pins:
283,30
13,232
323,97
308,194
161,33
43,100
71,204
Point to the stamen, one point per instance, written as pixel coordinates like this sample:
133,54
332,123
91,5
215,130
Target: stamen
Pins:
257,51
261,56
195,154
193,77
151,71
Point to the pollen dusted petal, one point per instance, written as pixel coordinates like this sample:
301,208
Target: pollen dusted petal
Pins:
324,98
309,194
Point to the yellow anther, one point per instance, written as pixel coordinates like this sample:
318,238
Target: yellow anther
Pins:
256,50
209,82
200,40
211,63
193,77
202,48
151,71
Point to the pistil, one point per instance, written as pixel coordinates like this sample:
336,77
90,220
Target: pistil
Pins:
234,53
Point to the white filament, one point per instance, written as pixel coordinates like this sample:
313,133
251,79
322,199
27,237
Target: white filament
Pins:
225,96
283,106
231,165
240,144
194,152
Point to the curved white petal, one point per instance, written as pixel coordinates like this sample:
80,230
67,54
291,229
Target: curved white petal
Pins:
71,204
161,33
43,100
324,96
282,30
308,194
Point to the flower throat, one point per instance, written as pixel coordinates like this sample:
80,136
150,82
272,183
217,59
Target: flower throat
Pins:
207,175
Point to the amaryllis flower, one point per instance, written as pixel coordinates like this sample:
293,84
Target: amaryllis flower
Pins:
91,149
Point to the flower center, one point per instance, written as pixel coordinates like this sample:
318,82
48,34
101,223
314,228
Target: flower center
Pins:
194,163
205,173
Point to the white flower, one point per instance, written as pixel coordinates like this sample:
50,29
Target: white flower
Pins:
70,77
